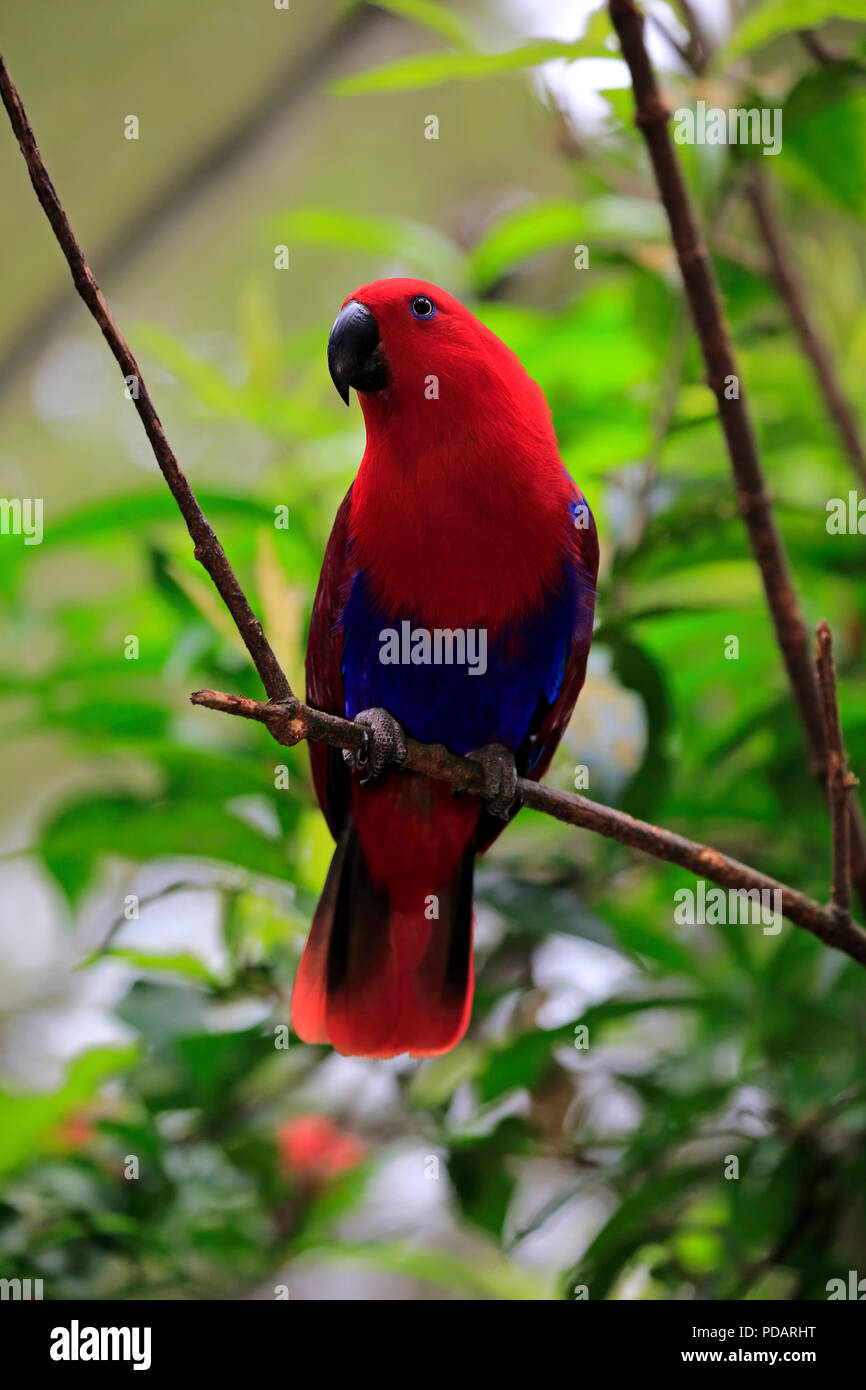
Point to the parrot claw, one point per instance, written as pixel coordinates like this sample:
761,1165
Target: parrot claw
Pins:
499,771
384,745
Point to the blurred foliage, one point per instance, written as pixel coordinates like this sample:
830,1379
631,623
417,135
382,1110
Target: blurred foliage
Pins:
711,1041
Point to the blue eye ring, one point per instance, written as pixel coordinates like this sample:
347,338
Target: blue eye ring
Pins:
422,306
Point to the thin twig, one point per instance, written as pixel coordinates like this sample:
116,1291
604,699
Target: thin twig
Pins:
791,292
290,721
724,379
817,48
699,47
782,269
670,39
839,779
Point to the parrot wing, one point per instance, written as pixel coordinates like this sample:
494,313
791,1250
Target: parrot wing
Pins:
551,717
325,689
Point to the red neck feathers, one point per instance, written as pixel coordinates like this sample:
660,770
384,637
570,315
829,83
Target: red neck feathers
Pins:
460,508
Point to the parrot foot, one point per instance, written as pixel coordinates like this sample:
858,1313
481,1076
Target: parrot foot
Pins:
384,745
499,772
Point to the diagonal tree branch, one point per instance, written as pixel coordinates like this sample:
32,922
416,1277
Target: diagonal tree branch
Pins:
724,379
784,274
290,721
839,779
817,48
782,267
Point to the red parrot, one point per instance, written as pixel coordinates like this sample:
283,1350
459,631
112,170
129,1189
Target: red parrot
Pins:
456,605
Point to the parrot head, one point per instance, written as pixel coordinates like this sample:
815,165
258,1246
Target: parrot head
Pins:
403,342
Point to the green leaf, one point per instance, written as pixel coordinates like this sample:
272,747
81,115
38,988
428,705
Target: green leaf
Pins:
216,1064
637,937
483,1183
767,20
639,671
26,1117
825,133
429,15
187,966
435,69
137,830
494,1277
284,414
523,233
340,1196
635,1222
422,249
522,1061
436,1081
526,231
124,516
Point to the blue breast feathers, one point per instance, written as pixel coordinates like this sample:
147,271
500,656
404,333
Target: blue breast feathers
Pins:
457,687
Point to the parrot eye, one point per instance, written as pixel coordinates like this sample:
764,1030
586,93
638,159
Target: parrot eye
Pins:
422,307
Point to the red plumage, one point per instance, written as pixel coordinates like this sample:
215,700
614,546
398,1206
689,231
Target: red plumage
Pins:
459,518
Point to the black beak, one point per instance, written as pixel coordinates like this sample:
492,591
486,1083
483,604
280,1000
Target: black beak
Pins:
355,356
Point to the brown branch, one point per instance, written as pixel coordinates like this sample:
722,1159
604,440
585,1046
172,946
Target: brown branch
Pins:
294,721
791,291
817,48
670,39
699,48
781,265
207,548
839,779
724,379
290,721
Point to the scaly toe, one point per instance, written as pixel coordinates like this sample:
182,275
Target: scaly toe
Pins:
499,771
383,747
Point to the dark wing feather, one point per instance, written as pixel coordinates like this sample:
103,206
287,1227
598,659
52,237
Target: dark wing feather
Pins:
550,720
323,667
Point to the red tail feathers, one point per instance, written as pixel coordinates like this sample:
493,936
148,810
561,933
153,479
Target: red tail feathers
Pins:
379,976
